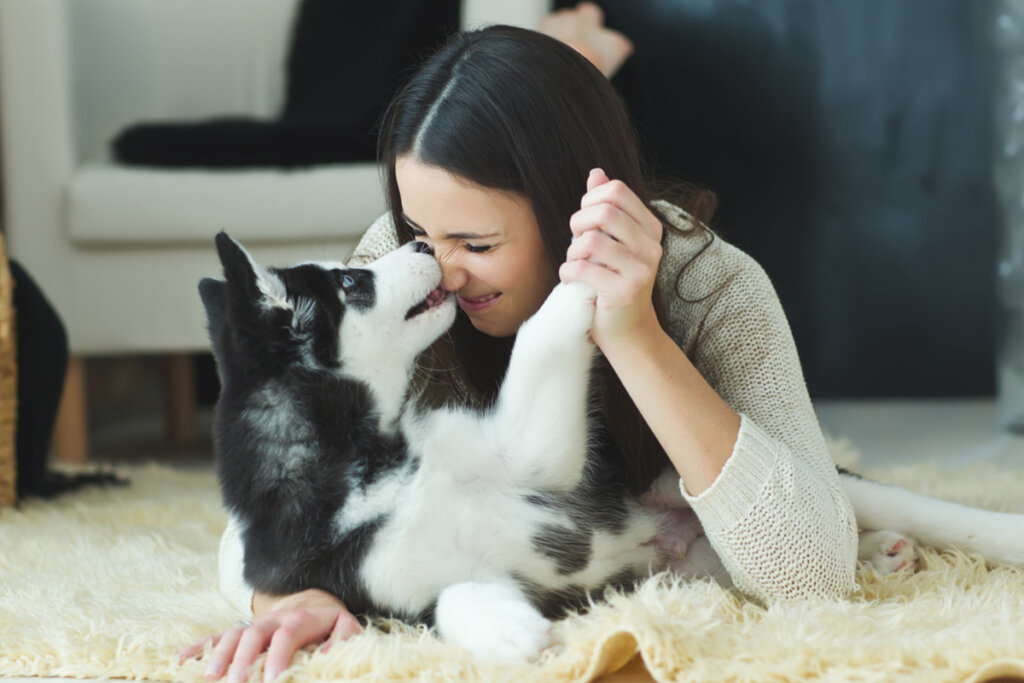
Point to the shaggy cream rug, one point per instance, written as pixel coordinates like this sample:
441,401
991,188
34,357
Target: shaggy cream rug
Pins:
114,583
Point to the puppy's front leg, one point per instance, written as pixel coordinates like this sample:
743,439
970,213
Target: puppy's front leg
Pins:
541,414
493,621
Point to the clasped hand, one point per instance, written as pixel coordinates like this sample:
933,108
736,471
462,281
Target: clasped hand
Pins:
616,250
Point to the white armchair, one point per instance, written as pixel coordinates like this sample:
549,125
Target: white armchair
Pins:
119,249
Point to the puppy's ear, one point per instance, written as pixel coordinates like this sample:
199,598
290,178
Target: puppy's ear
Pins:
214,294
248,281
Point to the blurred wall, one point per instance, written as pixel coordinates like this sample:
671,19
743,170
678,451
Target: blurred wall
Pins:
849,143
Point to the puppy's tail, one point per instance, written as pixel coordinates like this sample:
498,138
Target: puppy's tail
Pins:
997,536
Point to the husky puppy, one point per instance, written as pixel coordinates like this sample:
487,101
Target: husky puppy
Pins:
485,524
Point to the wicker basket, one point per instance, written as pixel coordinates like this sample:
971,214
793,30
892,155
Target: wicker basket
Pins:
8,384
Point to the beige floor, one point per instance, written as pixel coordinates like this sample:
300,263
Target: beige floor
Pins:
953,432
950,432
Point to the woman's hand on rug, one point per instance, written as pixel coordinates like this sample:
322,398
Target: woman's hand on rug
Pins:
289,623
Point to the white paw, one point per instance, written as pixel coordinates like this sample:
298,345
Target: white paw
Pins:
887,551
495,623
568,310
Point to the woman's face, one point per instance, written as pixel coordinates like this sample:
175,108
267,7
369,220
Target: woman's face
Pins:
487,242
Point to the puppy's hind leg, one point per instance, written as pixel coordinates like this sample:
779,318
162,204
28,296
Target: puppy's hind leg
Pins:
887,551
493,621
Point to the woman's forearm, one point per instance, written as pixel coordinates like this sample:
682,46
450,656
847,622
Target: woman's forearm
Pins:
692,423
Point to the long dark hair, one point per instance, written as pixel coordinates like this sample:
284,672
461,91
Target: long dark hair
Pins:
518,111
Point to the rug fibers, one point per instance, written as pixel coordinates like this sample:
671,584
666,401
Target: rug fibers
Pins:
113,583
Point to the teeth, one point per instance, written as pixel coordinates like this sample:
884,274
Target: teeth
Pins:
479,299
433,300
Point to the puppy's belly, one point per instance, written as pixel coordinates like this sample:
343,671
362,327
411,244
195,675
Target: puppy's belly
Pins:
489,538
433,541
678,529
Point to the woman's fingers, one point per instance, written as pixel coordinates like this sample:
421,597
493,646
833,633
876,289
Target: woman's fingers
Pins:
253,641
284,625
601,190
223,653
600,249
293,634
196,648
607,218
596,178
345,627
239,647
589,224
616,249
617,281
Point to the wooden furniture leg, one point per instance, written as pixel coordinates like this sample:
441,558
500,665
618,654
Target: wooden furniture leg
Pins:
180,399
71,431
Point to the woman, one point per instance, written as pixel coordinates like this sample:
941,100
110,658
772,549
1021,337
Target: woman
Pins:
512,156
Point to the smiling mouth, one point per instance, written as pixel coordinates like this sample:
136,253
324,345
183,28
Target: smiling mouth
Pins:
477,303
433,300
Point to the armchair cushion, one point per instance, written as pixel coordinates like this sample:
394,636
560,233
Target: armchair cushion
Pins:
123,205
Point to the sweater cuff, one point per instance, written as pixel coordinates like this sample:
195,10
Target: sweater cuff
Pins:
740,484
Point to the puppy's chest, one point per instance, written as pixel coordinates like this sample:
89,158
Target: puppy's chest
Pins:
462,508
445,527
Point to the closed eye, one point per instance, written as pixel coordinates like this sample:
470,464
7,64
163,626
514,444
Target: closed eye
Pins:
471,248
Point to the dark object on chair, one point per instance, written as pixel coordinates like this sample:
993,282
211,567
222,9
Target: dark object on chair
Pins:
345,61
42,356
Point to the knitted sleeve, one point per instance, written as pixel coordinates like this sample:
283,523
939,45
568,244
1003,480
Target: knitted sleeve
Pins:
776,515
379,239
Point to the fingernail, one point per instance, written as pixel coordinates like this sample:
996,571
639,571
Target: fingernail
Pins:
236,674
214,670
270,675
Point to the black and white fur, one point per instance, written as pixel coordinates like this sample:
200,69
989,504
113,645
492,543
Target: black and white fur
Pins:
892,520
487,524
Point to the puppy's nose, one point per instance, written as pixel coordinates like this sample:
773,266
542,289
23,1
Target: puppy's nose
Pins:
423,248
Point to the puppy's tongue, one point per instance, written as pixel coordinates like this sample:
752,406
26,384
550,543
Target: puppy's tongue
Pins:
436,297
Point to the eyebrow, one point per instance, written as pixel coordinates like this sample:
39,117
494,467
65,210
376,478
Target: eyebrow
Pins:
451,235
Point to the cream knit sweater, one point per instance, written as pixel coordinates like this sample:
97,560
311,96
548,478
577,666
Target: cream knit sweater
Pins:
776,517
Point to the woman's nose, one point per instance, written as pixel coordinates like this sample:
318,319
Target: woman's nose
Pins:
453,276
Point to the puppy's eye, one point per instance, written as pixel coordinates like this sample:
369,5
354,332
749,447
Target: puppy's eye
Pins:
343,279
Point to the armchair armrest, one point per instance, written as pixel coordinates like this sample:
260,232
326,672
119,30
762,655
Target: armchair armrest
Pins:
37,129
